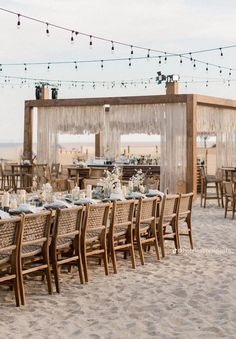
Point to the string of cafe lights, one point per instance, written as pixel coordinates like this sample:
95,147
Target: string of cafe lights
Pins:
145,82
76,63
164,54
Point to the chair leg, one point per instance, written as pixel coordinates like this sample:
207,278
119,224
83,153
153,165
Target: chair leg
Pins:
48,270
132,254
156,248
226,206
21,284
140,248
233,208
113,254
189,225
161,242
105,259
84,262
218,193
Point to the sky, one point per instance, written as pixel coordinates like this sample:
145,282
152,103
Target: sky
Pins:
174,26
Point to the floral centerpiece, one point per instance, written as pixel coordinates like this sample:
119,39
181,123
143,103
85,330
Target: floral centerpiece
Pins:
111,181
137,181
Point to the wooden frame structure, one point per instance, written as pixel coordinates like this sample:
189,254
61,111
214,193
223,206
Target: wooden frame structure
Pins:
191,101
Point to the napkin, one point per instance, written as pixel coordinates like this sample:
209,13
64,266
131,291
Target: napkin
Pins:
4,215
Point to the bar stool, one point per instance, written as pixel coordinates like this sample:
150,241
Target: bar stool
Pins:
209,182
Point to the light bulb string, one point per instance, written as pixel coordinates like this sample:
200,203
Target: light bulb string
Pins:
112,41
77,62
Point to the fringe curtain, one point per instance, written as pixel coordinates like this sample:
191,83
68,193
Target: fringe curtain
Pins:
168,120
222,123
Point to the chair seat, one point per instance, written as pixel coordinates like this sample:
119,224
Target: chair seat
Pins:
4,258
64,243
30,250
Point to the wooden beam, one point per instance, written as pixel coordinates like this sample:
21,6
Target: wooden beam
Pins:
191,170
99,149
28,133
214,101
152,99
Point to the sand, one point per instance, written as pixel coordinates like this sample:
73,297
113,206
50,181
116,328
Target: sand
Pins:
192,295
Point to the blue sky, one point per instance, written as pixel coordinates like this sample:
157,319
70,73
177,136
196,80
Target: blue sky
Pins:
173,25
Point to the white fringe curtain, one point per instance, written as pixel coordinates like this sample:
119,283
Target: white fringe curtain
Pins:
168,120
222,123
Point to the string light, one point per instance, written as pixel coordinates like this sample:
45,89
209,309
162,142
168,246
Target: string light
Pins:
194,63
148,54
112,47
102,64
228,82
47,30
180,60
72,37
159,60
220,70
131,50
0,67
191,58
221,52
76,66
207,68
186,85
18,21
48,68
207,83
230,72
165,59
25,67
90,42
129,62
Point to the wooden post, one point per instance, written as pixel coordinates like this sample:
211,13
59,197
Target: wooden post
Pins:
99,149
172,87
45,93
191,170
28,133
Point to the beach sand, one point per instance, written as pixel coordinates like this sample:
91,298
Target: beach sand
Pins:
192,295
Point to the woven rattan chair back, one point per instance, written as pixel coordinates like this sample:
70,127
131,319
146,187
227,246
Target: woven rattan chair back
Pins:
65,247
68,221
35,248
169,220
96,219
36,228
147,210
121,230
122,215
185,217
145,229
10,236
230,197
94,235
185,205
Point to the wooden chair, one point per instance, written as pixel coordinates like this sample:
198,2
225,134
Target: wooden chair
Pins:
8,179
120,237
167,223
145,228
209,183
34,249
65,246
230,197
93,236
185,216
10,235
